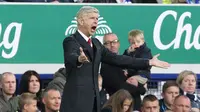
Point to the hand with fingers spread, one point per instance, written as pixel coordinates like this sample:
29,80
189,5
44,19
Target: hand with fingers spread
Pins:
158,63
82,58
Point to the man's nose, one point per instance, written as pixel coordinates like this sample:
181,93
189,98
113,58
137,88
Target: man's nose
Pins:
112,44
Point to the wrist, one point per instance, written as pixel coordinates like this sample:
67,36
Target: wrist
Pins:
150,62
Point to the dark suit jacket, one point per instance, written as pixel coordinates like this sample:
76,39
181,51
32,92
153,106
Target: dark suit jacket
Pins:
141,52
114,80
81,88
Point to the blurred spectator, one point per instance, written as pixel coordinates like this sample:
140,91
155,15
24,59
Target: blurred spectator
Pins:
193,1
52,100
150,103
182,104
110,1
114,78
179,1
30,82
7,91
121,101
187,81
169,91
28,102
59,80
53,1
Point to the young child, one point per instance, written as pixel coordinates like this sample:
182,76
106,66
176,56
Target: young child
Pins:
28,102
138,49
121,101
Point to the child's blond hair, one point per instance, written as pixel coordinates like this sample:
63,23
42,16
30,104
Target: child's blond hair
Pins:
133,33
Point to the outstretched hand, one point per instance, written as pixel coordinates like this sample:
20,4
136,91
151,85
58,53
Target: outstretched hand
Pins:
82,58
158,63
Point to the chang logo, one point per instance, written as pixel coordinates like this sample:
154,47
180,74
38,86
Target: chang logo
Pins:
191,38
102,28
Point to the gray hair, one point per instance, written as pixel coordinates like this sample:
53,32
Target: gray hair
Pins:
4,74
107,34
85,10
45,92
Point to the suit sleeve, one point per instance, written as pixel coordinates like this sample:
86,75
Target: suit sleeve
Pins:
126,52
118,81
122,60
71,52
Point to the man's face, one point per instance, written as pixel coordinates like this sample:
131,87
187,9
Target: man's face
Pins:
151,106
31,107
89,22
182,104
170,94
112,43
9,84
53,100
189,84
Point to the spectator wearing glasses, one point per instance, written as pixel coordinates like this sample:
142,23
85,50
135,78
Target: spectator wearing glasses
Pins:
114,77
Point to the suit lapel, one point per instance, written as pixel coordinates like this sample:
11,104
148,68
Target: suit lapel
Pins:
86,47
96,47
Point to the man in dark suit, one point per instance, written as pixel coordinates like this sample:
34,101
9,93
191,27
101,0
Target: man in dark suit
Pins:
119,77
82,56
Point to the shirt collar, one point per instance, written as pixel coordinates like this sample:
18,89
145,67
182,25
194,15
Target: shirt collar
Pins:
84,36
195,95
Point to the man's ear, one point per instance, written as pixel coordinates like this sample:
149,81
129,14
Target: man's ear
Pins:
80,21
43,101
26,107
162,94
142,109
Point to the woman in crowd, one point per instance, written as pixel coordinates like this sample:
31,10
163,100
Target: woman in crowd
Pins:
187,81
30,82
121,101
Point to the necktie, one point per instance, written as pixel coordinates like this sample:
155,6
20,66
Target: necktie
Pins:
90,42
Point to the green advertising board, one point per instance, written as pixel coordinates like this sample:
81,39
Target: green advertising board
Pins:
31,35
